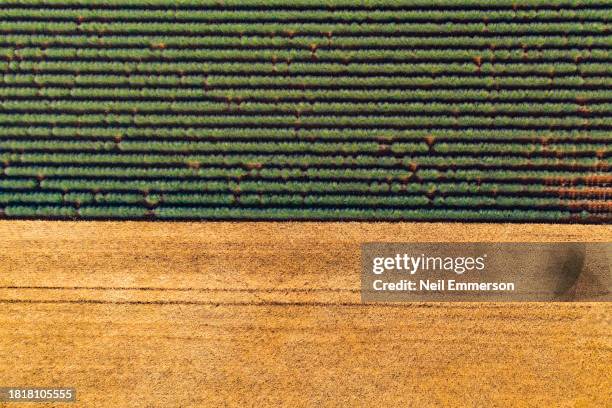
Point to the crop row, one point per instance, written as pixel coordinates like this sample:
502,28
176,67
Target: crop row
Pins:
372,174
310,109
296,200
323,55
301,29
319,147
290,121
303,186
309,43
308,95
331,5
222,213
379,135
146,160
160,201
303,82
296,68
319,16
316,109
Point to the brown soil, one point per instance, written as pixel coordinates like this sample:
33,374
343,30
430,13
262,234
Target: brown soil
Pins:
268,314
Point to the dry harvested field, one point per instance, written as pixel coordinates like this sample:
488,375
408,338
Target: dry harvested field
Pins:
269,314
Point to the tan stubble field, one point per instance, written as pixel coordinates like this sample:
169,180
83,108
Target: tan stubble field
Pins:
269,314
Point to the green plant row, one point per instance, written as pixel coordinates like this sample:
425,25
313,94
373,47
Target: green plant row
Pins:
323,55
380,174
212,147
290,121
195,199
227,199
23,184
285,213
302,109
382,214
301,161
314,95
306,42
299,68
306,147
381,135
365,16
71,212
513,148
297,109
331,29
236,187
232,81
307,4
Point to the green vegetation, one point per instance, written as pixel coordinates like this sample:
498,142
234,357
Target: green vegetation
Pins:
323,110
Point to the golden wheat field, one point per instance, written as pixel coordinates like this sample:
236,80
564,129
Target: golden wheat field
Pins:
139,314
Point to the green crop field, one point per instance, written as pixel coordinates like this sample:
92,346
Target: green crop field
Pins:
449,110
